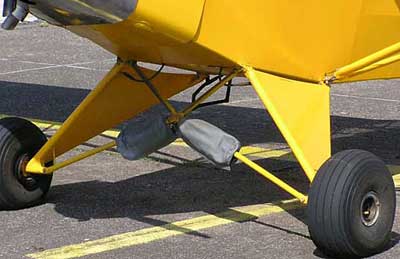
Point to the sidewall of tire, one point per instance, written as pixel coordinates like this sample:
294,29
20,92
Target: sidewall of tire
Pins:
19,137
374,238
335,204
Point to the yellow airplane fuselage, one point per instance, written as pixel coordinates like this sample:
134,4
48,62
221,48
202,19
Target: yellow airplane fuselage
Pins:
299,39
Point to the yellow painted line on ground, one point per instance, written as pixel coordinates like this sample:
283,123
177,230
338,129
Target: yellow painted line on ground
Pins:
247,150
152,234
50,125
395,170
283,154
288,156
148,235
239,214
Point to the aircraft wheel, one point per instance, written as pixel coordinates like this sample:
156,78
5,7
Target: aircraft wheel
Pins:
19,141
351,205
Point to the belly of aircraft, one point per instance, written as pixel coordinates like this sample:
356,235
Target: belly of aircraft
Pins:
273,36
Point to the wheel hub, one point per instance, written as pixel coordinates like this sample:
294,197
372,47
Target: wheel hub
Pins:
25,179
370,209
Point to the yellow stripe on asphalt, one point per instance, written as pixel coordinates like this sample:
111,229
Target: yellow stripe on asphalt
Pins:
258,152
395,170
152,234
144,236
283,154
239,214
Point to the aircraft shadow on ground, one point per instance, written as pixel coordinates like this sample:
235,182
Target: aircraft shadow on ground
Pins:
190,187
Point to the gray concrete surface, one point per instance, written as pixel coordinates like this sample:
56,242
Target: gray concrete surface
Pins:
45,72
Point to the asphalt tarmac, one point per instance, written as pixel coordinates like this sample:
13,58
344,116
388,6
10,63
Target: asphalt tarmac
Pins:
172,204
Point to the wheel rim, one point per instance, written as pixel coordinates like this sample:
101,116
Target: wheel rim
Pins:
370,209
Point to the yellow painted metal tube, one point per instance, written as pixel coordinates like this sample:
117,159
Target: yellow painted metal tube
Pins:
363,63
153,89
210,92
57,166
379,64
286,187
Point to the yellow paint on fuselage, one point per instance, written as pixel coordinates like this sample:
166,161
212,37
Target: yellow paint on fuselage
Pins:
302,39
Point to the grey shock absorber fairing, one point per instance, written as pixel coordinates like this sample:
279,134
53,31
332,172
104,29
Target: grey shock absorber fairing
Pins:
82,12
139,140
212,142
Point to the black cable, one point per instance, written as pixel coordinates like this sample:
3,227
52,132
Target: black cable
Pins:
149,79
208,82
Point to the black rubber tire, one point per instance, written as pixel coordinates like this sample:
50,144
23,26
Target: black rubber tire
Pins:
20,139
335,221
